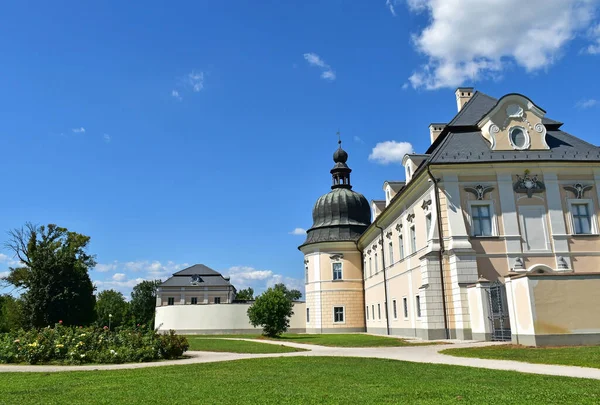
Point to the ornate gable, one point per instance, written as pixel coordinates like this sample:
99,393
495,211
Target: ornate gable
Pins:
515,123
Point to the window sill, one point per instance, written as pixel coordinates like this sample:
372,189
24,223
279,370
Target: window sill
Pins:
337,280
486,237
584,235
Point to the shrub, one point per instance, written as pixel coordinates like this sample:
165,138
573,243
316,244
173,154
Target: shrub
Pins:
72,345
271,310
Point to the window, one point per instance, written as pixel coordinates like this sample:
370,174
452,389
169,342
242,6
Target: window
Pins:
395,309
391,245
337,271
307,315
413,239
405,303
217,300
428,225
373,311
367,312
418,305
306,273
519,138
379,311
582,220
194,300
482,220
171,301
401,245
370,267
338,314
376,264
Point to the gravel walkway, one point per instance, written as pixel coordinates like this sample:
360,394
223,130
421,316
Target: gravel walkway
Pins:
417,354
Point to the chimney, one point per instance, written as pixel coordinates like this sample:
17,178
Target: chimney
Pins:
463,95
435,130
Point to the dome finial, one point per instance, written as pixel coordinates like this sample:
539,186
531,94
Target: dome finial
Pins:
339,138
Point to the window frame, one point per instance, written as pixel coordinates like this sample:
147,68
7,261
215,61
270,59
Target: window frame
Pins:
405,311
379,311
428,222
216,300
394,308
367,312
526,135
192,299
343,321
401,246
419,314
376,264
591,213
413,239
170,301
307,315
333,271
391,252
370,266
493,218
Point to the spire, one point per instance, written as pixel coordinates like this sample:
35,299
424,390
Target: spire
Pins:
341,172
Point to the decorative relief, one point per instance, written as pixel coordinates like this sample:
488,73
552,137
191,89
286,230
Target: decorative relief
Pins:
369,251
410,217
399,227
578,189
514,111
336,256
426,205
539,127
196,279
380,242
388,235
479,191
519,265
528,184
374,247
494,128
305,261
562,263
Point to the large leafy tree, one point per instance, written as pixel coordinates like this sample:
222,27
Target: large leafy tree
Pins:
143,302
246,294
293,295
272,311
54,275
111,302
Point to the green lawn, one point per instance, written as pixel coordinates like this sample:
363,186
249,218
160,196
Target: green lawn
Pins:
296,380
334,340
237,346
583,356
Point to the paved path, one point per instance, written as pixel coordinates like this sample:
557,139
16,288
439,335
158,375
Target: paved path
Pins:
418,354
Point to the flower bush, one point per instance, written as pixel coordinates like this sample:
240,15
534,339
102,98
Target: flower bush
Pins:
77,345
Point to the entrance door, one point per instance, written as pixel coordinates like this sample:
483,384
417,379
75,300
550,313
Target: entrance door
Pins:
498,316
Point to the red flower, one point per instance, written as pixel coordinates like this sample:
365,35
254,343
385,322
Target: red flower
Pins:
106,327
60,322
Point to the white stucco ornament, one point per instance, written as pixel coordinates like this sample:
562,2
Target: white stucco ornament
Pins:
514,111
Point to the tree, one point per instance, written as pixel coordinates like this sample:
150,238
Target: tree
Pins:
293,295
143,302
54,275
10,313
111,302
271,310
246,294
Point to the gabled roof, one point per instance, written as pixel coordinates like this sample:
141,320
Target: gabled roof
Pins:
379,204
199,269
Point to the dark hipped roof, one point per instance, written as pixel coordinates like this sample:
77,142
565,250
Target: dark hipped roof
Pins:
209,277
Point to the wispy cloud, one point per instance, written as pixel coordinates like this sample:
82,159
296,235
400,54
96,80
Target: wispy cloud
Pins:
390,5
594,35
315,60
175,94
358,139
246,276
586,103
196,81
390,152
80,130
106,267
298,231
119,277
106,138
470,40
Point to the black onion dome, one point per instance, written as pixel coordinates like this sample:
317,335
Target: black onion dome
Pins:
341,214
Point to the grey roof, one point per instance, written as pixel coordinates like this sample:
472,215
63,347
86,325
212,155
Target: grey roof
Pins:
200,269
379,204
209,277
470,147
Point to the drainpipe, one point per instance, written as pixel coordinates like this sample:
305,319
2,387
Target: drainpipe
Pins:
387,318
442,249
362,262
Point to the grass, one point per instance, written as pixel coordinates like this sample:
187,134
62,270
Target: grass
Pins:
583,356
296,380
237,346
333,340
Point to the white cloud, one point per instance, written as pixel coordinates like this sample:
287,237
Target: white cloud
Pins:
358,139
390,5
125,286
196,81
119,277
106,267
586,103
3,258
176,95
315,60
4,274
594,34
298,231
106,138
468,40
260,280
80,130
390,152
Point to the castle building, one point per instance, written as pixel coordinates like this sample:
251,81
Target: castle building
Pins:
493,235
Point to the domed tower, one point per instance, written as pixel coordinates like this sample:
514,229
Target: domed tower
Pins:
332,261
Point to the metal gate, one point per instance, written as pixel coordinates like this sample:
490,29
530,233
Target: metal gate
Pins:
498,312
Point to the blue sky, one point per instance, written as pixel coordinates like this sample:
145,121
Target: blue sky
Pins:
176,133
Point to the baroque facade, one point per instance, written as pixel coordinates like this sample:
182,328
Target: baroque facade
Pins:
493,235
